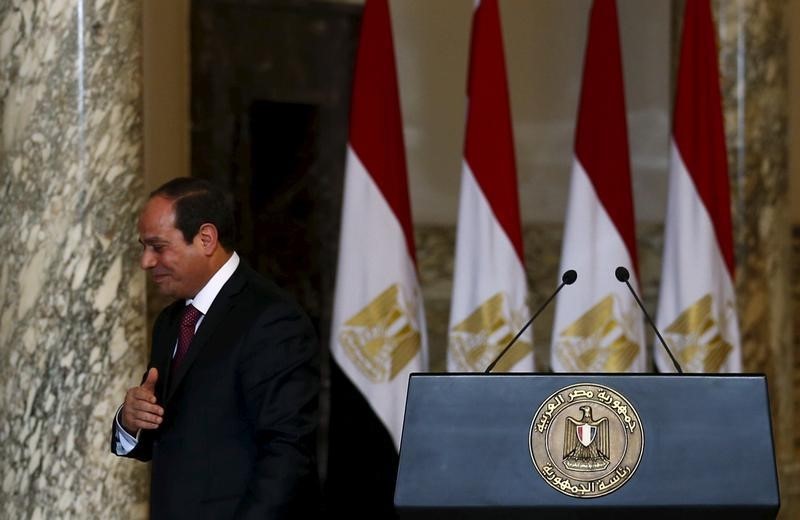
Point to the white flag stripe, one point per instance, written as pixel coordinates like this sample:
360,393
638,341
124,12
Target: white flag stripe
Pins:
373,256
486,262
371,237
594,248
693,264
486,259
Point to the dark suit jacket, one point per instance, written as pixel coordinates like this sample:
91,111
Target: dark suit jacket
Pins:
240,413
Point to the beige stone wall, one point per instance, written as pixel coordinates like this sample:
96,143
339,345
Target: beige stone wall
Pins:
165,63
793,21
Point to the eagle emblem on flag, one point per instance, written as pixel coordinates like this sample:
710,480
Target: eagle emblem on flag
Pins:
698,336
601,340
383,337
482,335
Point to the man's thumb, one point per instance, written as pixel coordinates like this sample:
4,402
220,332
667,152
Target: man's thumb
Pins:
152,377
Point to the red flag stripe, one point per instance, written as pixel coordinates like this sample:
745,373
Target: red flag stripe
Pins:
489,142
376,125
601,138
698,125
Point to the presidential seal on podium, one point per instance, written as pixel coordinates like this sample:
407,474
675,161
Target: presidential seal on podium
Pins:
586,440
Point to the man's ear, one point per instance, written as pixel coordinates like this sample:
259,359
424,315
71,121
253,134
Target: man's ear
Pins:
207,235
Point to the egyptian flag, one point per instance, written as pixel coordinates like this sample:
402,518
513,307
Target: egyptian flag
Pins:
697,302
598,325
490,290
378,328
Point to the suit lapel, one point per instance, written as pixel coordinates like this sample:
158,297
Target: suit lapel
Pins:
222,305
164,345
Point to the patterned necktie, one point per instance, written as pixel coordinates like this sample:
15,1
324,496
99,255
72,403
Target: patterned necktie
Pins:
185,334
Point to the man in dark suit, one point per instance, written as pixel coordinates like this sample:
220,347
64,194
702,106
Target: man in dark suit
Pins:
227,410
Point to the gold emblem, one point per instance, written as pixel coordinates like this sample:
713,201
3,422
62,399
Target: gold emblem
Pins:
586,440
697,337
599,341
383,337
478,340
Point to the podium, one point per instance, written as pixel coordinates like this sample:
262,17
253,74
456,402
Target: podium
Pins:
510,446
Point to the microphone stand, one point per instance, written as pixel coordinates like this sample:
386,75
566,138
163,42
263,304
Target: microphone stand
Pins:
568,278
622,275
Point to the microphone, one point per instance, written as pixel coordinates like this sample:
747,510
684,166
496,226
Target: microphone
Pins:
623,275
568,278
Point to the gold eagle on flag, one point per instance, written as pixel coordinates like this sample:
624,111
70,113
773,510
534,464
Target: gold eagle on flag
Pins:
382,338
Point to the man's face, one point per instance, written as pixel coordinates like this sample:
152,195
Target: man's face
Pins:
178,269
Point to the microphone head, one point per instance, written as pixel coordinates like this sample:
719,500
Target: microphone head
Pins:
622,274
569,277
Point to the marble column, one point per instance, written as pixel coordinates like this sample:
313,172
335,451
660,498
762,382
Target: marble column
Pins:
72,316
753,43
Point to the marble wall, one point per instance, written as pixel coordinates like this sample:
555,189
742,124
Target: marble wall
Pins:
753,41
72,325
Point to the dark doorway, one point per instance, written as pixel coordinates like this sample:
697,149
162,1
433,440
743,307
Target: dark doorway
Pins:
270,84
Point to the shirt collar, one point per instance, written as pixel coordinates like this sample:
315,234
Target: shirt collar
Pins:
202,302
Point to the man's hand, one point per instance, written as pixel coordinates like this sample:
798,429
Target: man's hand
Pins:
140,411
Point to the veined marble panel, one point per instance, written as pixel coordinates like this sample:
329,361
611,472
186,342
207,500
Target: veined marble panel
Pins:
72,318
753,43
